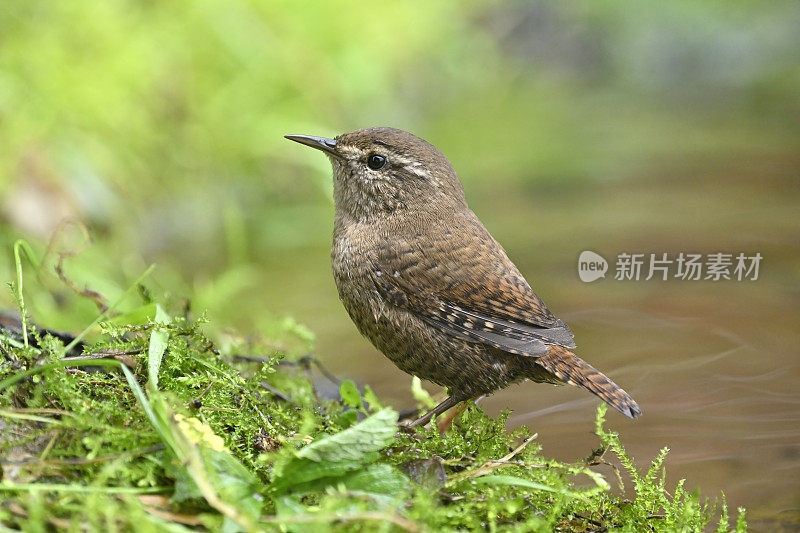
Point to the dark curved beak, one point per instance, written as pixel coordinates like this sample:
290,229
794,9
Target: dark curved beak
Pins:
320,143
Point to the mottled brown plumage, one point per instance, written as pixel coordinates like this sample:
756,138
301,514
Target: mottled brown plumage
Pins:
425,281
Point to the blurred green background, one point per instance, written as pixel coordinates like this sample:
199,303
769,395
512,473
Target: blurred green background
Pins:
612,126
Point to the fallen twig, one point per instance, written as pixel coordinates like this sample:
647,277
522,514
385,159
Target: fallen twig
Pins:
490,465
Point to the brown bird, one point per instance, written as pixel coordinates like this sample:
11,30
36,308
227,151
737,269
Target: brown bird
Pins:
427,284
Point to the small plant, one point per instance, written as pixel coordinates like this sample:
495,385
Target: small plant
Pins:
681,511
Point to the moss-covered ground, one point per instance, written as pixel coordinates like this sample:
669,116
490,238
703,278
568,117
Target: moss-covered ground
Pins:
143,422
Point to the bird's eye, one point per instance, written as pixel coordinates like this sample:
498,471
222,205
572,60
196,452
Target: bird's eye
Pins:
376,161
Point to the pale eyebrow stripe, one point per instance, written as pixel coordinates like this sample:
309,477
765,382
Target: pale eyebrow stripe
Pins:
409,164
350,149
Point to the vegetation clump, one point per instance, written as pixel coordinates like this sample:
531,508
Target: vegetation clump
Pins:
152,426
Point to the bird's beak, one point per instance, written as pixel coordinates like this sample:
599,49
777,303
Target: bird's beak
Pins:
320,143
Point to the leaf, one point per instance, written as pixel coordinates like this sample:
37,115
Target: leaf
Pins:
372,399
428,472
347,418
222,480
421,395
371,435
338,454
290,506
158,344
349,393
379,481
233,482
200,433
185,487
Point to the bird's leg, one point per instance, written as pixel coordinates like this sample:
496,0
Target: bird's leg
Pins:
446,421
439,409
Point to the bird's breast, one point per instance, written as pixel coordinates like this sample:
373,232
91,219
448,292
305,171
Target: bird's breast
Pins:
352,260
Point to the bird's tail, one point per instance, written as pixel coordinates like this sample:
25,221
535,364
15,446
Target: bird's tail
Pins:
571,369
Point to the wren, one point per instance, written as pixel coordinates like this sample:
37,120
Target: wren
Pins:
426,283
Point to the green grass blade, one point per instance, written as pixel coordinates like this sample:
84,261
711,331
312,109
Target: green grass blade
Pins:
158,345
57,487
105,313
23,246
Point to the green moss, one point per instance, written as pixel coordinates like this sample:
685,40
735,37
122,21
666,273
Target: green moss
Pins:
224,441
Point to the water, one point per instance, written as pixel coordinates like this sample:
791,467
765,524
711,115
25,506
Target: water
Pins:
714,365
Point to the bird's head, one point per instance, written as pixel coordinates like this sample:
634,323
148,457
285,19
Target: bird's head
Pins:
386,170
